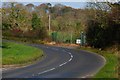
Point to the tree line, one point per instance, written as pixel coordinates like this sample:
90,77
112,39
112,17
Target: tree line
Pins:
99,21
103,30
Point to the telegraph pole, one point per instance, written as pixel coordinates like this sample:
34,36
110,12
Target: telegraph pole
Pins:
49,6
71,38
49,22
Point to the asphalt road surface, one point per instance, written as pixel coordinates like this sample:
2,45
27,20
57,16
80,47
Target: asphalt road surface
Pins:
60,63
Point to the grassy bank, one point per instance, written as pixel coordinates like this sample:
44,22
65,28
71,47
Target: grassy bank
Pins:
13,53
24,40
110,68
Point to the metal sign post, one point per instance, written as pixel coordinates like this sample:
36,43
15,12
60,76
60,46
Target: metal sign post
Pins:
83,39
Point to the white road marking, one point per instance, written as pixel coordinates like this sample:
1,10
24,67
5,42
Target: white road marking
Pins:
71,57
61,64
87,76
46,71
83,77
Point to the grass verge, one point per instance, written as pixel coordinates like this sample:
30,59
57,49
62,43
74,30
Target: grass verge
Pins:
110,70
13,53
24,40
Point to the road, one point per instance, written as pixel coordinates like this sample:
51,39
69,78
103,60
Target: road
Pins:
60,63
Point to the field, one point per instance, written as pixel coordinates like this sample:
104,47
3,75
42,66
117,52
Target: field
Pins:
13,53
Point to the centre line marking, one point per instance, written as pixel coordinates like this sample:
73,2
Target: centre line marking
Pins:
71,57
46,71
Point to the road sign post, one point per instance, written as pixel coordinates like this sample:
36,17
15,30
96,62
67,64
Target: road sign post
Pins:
83,39
54,36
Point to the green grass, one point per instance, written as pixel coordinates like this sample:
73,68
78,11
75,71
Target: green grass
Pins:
13,53
24,40
110,68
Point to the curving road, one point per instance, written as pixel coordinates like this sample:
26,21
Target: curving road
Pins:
60,63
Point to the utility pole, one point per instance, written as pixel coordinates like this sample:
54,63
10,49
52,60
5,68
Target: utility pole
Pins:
49,22
49,6
71,37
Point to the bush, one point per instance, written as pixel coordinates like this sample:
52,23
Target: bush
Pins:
101,37
6,33
16,32
41,33
29,34
94,34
